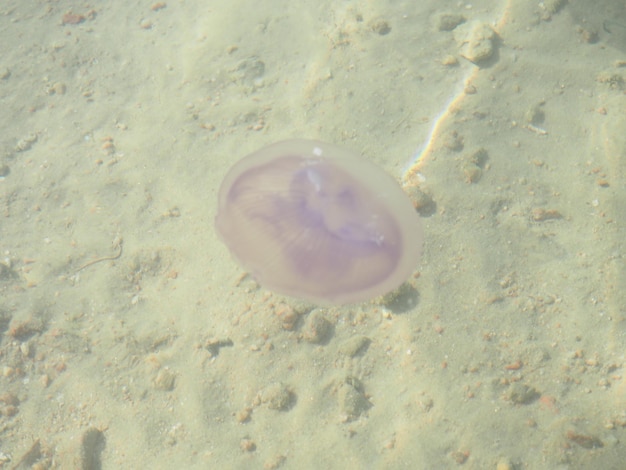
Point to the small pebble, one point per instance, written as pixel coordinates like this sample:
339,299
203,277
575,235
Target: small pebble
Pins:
317,328
449,60
352,399
380,26
539,214
9,399
521,394
59,88
44,380
25,348
26,143
472,173
452,141
277,397
165,380
9,410
448,21
243,416
459,456
247,445
584,440
354,346
535,114
92,443
480,45
422,202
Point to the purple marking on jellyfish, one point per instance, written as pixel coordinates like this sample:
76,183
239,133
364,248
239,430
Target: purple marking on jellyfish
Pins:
315,221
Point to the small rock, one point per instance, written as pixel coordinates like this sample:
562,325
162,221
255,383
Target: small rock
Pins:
472,173
247,445
451,140
402,299
274,462
29,459
25,349
584,440
474,164
317,328
277,397
243,415
352,399
449,60
214,345
165,380
505,464
479,157
460,456
539,214
92,445
85,452
249,72
59,88
24,329
448,21
355,345
9,399
480,44
521,394
380,26
8,410
422,202
552,6
535,114
26,143
288,316
145,23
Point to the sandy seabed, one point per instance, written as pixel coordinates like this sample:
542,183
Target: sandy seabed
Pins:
131,339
